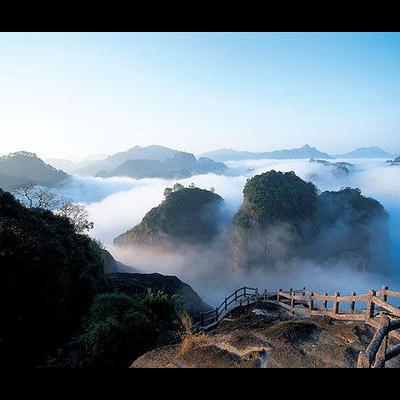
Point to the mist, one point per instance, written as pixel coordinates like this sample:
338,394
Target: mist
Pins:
118,204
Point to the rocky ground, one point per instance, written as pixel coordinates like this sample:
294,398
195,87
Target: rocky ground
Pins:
266,336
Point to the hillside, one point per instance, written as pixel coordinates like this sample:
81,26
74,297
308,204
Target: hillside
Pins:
186,216
23,167
49,275
235,155
181,165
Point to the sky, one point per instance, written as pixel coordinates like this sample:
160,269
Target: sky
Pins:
71,95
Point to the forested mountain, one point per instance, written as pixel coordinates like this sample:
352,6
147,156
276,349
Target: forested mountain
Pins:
188,215
23,167
283,219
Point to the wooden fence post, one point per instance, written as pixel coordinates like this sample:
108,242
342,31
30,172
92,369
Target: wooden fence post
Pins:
278,296
371,305
353,305
310,303
292,303
336,304
326,303
385,289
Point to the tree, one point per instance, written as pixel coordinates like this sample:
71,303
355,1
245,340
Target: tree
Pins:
32,195
77,214
49,275
177,187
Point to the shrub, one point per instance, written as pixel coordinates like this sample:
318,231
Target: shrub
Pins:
120,328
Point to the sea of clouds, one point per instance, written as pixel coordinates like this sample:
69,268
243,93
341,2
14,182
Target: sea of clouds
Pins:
118,204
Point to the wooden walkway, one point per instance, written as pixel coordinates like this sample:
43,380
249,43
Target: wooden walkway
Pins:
372,308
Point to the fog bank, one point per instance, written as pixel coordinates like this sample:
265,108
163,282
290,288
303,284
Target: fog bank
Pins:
118,204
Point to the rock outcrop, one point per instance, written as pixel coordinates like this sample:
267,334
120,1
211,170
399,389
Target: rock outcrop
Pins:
186,216
266,336
133,284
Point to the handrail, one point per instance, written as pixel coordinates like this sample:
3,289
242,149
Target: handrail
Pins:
378,313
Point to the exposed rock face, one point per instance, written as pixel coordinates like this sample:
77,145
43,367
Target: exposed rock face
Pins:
352,230
186,216
282,219
23,167
132,284
266,336
271,225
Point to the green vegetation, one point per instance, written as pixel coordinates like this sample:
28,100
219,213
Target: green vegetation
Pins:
277,197
348,205
119,328
48,277
187,214
283,218
53,288
354,223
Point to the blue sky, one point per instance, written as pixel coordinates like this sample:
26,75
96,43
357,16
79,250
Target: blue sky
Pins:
72,95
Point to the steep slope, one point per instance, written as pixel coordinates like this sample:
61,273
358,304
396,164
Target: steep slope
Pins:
283,220
186,216
23,167
300,153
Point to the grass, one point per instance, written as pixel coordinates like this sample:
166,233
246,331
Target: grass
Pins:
191,340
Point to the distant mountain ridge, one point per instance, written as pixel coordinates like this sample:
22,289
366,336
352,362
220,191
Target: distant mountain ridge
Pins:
181,165
152,162
367,152
154,152
24,167
304,152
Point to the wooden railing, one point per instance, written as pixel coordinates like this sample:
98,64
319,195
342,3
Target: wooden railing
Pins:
372,308
212,317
